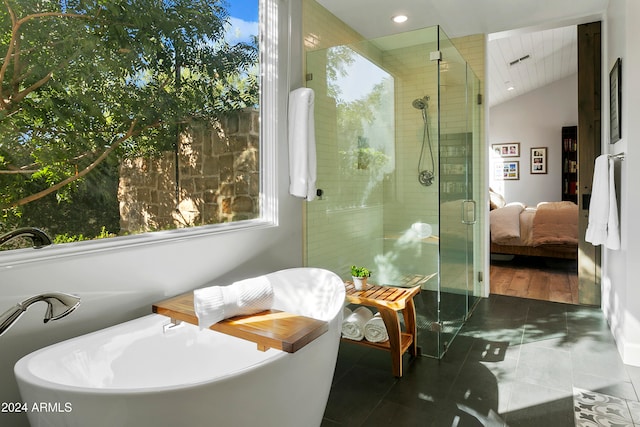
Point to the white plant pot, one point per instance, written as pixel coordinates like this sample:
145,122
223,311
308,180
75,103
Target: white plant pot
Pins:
360,283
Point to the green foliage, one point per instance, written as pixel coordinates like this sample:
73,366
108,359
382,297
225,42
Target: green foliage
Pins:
338,59
86,83
83,208
364,158
360,271
66,238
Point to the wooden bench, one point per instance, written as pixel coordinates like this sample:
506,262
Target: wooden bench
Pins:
268,329
389,301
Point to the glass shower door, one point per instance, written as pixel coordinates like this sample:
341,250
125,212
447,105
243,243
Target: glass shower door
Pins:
456,293
395,138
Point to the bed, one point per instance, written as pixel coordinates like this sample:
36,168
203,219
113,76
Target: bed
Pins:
549,229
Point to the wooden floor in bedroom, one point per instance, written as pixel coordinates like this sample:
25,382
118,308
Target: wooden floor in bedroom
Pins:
538,278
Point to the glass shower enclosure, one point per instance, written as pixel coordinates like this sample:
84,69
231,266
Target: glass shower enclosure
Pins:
397,134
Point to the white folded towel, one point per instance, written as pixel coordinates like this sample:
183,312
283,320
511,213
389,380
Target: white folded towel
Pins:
353,325
216,303
603,227
375,329
302,144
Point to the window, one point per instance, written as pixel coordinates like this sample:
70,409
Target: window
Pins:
127,117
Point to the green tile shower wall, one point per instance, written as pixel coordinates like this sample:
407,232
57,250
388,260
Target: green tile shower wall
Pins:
335,238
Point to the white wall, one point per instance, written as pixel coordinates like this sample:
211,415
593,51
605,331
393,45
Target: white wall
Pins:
620,269
120,284
535,119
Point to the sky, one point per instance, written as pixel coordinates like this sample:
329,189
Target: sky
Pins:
247,10
243,18
362,76
360,79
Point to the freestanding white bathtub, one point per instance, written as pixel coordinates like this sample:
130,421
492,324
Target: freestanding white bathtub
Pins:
134,374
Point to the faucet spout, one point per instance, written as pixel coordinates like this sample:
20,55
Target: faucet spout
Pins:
59,305
39,237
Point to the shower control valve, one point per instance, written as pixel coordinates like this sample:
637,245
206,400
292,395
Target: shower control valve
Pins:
426,178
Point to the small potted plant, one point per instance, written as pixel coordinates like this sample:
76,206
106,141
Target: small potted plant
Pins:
360,275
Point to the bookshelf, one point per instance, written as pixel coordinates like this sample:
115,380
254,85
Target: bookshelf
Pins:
570,163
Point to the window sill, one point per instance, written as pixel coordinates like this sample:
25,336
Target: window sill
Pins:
15,257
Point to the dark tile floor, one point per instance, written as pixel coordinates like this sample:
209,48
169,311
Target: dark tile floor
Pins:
516,362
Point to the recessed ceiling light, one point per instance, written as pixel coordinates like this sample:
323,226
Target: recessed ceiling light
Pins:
399,19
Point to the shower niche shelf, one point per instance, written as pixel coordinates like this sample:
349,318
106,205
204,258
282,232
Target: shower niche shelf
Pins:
454,166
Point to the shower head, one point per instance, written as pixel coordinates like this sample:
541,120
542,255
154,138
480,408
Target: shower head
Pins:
421,103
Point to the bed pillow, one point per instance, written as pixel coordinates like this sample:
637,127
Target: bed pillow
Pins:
496,200
505,223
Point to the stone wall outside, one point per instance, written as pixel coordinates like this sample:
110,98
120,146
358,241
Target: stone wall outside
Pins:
218,174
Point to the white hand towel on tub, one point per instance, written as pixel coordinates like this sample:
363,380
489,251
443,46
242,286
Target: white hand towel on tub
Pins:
216,303
302,144
375,329
353,325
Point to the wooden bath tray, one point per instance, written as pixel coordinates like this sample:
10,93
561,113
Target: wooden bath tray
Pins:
269,329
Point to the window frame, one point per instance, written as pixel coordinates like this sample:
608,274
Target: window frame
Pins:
271,25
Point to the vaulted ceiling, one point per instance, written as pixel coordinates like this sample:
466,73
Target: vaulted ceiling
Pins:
531,43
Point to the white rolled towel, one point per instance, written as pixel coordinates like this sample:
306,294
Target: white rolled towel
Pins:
216,303
353,325
375,329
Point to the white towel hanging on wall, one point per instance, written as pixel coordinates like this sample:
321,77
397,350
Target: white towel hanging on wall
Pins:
603,228
302,144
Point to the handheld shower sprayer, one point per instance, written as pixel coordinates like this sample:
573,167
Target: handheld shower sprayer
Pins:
425,176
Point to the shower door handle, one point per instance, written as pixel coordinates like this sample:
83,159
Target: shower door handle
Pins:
469,212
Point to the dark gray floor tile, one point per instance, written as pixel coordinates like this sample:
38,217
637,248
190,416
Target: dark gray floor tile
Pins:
476,387
426,381
484,350
634,410
545,367
508,331
634,376
534,405
357,394
328,423
393,414
458,351
586,322
514,363
605,385
598,357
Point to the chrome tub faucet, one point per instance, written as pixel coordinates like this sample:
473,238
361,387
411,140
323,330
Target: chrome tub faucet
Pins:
39,237
59,305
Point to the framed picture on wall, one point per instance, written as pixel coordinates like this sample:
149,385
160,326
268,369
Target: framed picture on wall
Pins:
507,171
539,160
510,149
615,102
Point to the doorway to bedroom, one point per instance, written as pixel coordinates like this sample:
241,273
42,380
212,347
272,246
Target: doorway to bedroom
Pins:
533,96
537,163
